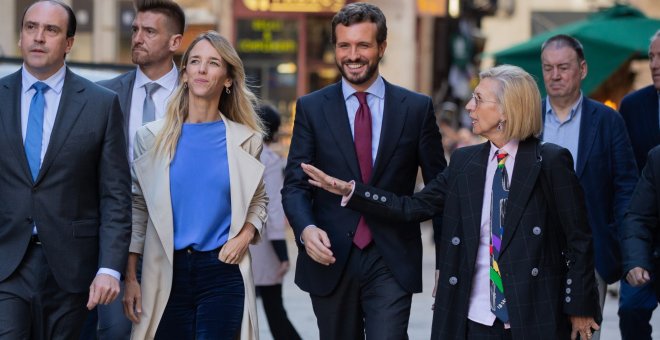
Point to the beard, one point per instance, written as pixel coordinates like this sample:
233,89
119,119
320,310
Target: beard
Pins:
358,79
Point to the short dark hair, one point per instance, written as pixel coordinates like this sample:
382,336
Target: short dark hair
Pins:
71,24
359,12
271,120
563,40
168,8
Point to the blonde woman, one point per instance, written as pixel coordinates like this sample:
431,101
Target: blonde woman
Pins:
198,202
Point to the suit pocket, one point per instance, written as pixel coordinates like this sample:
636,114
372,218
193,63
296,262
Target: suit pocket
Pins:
85,228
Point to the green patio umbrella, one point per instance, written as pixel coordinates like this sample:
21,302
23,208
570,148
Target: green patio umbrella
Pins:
609,37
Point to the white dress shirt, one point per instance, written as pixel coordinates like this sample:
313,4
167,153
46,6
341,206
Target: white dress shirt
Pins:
161,97
479,309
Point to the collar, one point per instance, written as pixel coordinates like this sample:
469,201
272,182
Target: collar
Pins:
54,82
376,89
577,107
511,148
167,81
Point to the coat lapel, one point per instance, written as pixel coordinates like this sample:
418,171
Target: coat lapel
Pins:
525,172
588,128
475,173
71,104
10,115
394,117
245,173
337,122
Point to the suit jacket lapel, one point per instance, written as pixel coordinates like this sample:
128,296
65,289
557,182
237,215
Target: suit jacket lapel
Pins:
475,173
394,116
523,181
334,110
588,128
10,116
71,104
125,92
654,120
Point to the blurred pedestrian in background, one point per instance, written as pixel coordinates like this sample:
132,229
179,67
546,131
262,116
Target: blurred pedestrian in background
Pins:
270,260
515,253
641,112
598,141
198,201
143,96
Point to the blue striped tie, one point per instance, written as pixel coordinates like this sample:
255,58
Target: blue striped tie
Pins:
35,127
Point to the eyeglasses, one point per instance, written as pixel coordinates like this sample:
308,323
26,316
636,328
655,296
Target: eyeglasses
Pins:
478,100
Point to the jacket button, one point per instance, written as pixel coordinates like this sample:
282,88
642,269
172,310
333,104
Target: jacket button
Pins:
453,280
536,230
455,241
350,234
383,199
535,271
567,299
367,194
375,197
568,290
29,220
569,281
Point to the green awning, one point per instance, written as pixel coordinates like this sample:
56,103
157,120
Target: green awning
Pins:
609,38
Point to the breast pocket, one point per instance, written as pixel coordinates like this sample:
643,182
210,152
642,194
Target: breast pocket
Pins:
85,228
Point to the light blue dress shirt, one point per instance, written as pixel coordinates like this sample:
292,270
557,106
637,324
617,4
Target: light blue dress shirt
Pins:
376,102
567,133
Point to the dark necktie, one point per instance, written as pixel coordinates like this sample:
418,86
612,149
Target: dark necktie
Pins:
35,128
498,208
362,139
149,108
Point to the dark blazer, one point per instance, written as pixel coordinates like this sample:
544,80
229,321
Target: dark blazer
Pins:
123,86
322,136
540,291
640,112
641,226
81,199
607,172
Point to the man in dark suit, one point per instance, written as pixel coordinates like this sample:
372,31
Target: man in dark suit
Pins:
157,33
597,139
65,186
360,272
640,111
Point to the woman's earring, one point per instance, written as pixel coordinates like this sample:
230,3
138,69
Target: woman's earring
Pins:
500,125
185,84
227,90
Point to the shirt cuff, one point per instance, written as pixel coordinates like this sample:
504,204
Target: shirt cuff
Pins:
345,199
110,272
301,240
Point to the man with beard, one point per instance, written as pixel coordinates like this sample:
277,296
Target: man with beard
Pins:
143,96
597,138
360,271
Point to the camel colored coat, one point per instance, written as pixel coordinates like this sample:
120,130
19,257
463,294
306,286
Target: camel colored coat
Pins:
153,226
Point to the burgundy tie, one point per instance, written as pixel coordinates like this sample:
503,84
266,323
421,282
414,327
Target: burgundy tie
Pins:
362,139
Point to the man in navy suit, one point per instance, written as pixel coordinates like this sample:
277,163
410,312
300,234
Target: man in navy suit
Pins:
157,32
597,139
640,111
65,200
360,271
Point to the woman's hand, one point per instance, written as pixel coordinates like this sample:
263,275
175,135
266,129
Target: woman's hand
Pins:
132,300
583,325
232,252
319,179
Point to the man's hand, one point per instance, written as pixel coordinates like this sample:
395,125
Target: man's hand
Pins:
317,245
103,290
638,276
132,300
583,325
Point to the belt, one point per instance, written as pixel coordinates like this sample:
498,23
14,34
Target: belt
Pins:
35,240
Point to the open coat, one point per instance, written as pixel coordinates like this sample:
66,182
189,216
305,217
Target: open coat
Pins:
153,226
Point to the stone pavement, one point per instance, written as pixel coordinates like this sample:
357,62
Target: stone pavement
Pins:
299,306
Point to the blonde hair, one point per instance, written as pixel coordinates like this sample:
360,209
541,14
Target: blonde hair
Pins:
238,106
519,99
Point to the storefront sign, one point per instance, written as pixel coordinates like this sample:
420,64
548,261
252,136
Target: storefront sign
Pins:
313,6
262,36
436,8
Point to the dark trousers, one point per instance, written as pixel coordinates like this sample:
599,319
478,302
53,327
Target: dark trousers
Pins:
636,306
32,306
278,322
367,300
206,301
108,322
477,331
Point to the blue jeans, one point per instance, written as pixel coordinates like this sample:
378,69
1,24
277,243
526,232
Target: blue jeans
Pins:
206,301
636,305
